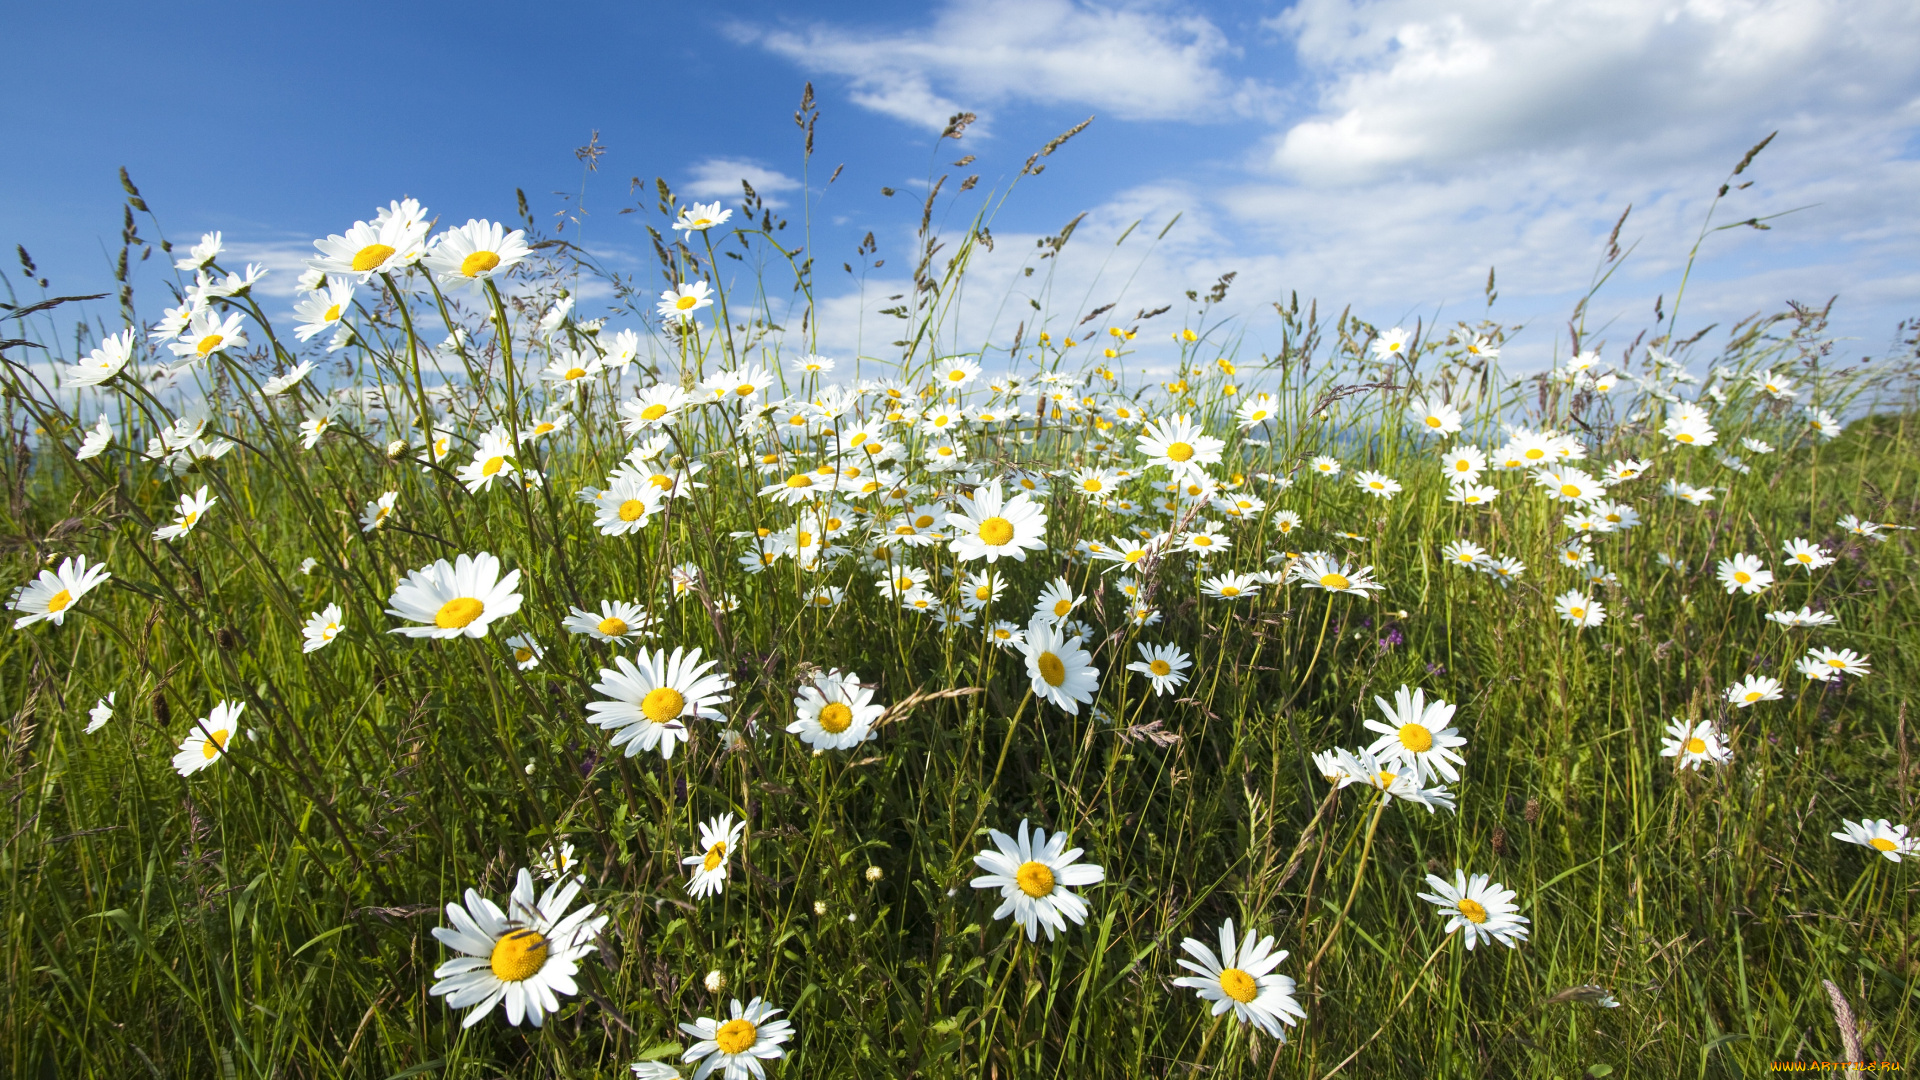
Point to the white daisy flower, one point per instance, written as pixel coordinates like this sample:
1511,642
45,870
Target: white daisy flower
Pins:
736,1047
1694,744
1165,665
473,252
1241,980
322,627
207,742
452,599
1881,836
835,712
524,957
1417,733
719,837
1035,875
186,515
618,621
1483,909
1059,669
988,525
1752,690
54,592
101,712
651,701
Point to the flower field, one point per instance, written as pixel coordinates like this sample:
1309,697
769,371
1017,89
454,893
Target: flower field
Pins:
509,667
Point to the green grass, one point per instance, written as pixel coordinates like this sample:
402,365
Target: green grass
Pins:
270,916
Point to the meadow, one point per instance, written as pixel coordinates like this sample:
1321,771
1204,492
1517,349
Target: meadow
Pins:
564,694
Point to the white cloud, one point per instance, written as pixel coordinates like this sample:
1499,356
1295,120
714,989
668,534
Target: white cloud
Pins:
719,178
1139,61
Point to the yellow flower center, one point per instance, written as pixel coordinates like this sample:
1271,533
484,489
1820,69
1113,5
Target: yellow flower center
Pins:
1416,738
371,256
799,480
996,532
983,592
1534,454
458,612
1804,557
1061,607
653,412
663,704
216,742
1696,745
1684,437
1753,695
1577,612
662,481
332,314
1571,491
575,373
632,510
1881,843
735,1036
613,627
1463,465
1836,662
1433,421
1203,541
1230,590
522,654
803,539
1474,911
1160,667
685,303
519,956
923,521
492,465
1035,879
835,718
1238,985
209,343
1180,452
59,601
1052,670
1334,581
716,855
478,263
1742,576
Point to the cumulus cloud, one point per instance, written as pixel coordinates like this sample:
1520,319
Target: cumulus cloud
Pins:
1133,61
719,178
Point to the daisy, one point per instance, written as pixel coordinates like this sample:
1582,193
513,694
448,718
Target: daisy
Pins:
1392,345
1568,485
451,599
1231,586
1505,570
1417,733
1745,574
525,956
1035,876
1752,689
1434,418
54,592
654,406
96,441
1241,980
321,311
1579,609
1057,602
736,1047
1465,553
699,217
101,712
650,700
1689,429
286,380
322,627
1809,556
493,458
988,526
1256,410
683,300
1472,494
980,589
1694,744
1319,570
186,515
1865,530
1806,616
1376,484
1484,909
319,419
372,248
719,837
1618,517
1326,466
526,652
1180,447
207,742
618,621
1832,664
1886,838
955,372
1165,665
740,386
1464,464
1626,469
210,334
626,507
202,253
375,513
1007,635
835,712
476,251
555,861
1059,669
102,363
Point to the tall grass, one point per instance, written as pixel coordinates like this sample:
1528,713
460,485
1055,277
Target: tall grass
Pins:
270,916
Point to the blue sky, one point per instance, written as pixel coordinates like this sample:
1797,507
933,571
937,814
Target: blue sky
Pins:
1379,153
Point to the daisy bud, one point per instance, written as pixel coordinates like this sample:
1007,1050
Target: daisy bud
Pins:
715,982
819,907
396,448
874,873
